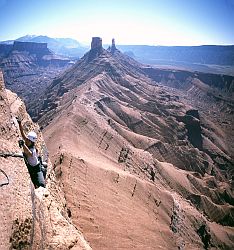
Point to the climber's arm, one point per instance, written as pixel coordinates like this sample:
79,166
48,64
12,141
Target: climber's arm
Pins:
27,151
21,129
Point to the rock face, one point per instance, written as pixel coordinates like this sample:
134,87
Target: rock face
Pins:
39,49
4,50
194,128
29,220
192,121
126,149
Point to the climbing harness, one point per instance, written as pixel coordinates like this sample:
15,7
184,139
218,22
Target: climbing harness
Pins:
37,173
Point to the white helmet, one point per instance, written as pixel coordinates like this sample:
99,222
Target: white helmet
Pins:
32,136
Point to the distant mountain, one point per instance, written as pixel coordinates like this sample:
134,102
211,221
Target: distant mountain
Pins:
66,42
63,46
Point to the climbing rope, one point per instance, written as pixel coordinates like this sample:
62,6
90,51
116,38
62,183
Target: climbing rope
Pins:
7,154
6,183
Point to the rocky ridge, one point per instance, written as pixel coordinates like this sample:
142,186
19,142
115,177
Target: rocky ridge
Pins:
29,220
139,152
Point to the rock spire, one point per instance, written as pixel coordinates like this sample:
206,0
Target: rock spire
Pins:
96,43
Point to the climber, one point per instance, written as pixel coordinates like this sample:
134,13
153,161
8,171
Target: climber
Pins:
35,167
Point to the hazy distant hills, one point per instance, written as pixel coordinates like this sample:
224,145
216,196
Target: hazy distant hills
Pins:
66,42
207,54
63,46
208,58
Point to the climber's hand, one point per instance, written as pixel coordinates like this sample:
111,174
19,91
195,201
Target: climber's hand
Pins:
18,119
21,143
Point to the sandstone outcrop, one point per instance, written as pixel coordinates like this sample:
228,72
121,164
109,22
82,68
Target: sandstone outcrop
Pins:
29,219
96,48
192,121
113,47
96,43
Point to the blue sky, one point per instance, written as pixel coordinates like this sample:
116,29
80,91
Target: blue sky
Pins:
152,22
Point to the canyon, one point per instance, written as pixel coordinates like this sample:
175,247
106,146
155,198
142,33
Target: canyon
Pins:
29,67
